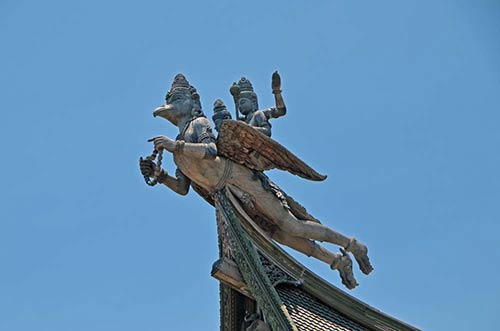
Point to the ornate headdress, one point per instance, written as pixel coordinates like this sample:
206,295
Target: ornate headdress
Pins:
182,86
220,111
246,89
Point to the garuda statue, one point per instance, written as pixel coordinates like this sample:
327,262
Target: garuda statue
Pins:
233,164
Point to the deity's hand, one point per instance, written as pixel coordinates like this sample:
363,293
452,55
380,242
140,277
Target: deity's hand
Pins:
162,142
276,83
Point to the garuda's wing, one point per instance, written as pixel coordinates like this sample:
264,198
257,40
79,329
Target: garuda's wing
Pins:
244,145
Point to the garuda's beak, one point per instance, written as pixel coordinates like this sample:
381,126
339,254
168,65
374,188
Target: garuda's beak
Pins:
162,110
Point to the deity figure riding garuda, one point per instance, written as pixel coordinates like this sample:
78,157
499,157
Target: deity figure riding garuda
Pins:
233,165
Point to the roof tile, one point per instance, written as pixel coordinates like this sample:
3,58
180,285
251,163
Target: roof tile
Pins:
309,314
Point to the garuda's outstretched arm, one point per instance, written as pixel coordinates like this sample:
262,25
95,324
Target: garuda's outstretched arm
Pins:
204,148
179,184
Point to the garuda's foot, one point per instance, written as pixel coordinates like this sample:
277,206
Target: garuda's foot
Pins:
360,253
343,264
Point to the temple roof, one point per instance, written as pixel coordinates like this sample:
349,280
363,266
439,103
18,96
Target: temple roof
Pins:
297,298
309,314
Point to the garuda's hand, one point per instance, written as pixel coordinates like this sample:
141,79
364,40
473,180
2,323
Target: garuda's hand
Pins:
162,142
147,167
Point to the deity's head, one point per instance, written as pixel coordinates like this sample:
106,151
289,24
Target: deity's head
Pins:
220,113
247,102
182,101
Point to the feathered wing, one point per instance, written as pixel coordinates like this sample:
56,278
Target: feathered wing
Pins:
244,145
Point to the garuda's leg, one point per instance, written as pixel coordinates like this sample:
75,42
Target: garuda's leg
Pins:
267,203
315,231
337,261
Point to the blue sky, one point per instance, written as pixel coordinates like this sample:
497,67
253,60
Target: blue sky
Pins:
397,101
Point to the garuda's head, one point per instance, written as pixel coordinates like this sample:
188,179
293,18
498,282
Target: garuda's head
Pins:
182,101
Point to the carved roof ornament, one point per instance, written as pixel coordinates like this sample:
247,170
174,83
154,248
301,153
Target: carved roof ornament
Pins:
253,213
234,164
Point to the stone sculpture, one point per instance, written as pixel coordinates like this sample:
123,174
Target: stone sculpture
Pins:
232,166
246,103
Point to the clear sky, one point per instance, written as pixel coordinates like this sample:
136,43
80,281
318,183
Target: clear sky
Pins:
397,101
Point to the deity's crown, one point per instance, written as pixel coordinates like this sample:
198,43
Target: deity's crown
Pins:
246,89
181,85
220,110
245,85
